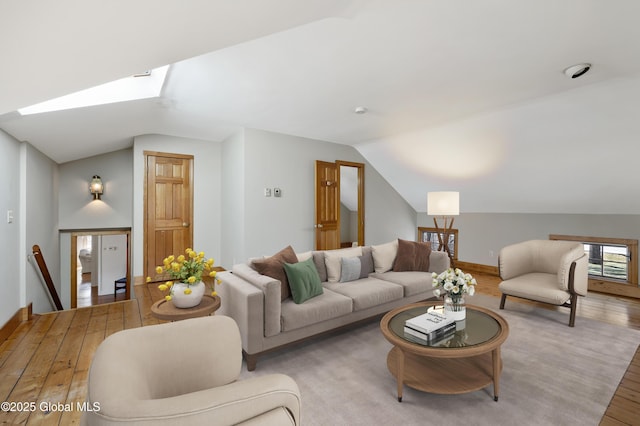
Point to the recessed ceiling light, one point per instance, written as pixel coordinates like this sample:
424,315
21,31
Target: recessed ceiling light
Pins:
360,110
577,70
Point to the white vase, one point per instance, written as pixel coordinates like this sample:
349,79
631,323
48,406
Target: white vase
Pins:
181,300
455,308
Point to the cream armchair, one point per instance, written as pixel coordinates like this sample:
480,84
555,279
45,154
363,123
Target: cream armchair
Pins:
184,373
548,271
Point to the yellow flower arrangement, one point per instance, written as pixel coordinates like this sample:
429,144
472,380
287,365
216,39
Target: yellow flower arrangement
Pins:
187,269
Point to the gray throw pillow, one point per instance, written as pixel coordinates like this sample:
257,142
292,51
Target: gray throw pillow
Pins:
350,269
318,259
366,262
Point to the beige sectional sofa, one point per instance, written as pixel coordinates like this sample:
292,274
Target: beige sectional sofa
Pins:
268,322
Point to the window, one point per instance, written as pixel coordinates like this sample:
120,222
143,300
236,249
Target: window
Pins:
610,259
430,235
125,89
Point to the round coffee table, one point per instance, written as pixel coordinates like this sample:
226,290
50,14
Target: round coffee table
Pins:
465,362
165,310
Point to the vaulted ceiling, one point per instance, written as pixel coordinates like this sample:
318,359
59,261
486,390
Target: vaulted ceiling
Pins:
461,95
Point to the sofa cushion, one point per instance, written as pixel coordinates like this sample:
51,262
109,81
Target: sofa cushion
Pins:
273,267
304,281
332,261
324,307
367,292
413,282
384,256
366,262
412,256
543,285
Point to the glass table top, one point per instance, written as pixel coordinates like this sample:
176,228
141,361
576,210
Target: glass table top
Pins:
477,328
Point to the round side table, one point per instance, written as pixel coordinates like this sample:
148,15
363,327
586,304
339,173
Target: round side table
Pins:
164,310
470,363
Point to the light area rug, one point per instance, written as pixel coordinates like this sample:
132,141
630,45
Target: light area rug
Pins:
552,375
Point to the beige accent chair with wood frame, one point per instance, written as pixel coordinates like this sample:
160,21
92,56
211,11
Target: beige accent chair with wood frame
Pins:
548,271
184,372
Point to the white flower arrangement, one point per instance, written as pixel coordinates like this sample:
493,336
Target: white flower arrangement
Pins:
454,283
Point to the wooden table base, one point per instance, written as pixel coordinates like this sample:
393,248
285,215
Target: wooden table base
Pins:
445,375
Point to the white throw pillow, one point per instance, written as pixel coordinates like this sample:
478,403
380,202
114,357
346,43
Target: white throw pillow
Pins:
384,255
304,256
332,261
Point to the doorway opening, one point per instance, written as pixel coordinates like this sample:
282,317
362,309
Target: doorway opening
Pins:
99,267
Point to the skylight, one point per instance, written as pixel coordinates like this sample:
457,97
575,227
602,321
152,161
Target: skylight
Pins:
141,86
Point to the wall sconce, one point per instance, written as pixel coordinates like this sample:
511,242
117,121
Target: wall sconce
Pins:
95,187
445,205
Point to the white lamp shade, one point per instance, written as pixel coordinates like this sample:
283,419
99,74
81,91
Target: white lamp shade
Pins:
443,203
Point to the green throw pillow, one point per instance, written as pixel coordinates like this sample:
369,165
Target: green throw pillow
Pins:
304,280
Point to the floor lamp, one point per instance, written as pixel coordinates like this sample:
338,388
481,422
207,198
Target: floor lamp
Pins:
443,205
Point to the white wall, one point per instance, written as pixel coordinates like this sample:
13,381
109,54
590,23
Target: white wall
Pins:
233,211
78,209
30,191
206,192
572,152
287,162
112,259
483,233
11,292
388,215
41,220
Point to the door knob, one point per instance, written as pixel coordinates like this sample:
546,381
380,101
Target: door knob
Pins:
185,224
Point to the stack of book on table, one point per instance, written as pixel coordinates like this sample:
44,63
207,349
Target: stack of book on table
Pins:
429,327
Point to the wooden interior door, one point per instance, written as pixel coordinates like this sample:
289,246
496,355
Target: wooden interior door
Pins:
327,191
168,207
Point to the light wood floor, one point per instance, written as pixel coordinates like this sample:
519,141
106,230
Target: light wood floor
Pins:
87,294
46,360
